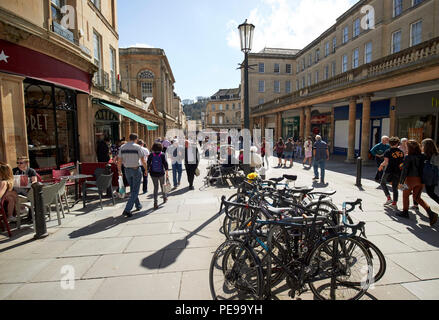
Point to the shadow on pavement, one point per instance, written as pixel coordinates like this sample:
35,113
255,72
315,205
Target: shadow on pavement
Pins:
150,261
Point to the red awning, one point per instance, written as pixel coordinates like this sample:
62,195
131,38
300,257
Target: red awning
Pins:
29,63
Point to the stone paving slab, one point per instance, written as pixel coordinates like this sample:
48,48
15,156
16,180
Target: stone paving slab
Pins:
391,292
388,244
84,290
195,279
396,274
124,264
157,242
146,287
54,270
424,265
186,260
20,271
424,290
93,247
146,229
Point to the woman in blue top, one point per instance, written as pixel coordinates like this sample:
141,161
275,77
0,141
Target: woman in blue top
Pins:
378,152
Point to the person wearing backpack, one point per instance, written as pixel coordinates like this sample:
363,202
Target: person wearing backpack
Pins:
411,181
431,170
158,168
393,160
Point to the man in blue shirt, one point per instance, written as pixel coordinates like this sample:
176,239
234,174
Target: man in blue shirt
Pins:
321,154
378,152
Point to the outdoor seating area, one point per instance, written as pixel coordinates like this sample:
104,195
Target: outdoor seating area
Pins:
61,191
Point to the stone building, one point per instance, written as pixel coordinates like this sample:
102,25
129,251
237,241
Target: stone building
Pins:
223,111
146,73
59,82
372,73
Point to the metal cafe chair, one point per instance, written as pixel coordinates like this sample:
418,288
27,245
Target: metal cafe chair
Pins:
103,182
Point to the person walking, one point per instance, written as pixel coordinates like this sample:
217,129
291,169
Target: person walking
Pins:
280,148
308,152
411,181
145,176
191,161
166,143
321,155
299,145
130,155
103,150
430,174
378,152
177,163
289,153
158,168
403,146
393,160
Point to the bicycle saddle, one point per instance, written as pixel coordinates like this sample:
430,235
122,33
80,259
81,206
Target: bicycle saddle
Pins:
303,190
277,180
290,177
325,193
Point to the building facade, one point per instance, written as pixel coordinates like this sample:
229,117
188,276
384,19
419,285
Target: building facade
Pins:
59,82
223,111
146,73
370,74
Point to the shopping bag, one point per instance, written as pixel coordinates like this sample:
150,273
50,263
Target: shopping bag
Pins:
197,172
167,187
122,190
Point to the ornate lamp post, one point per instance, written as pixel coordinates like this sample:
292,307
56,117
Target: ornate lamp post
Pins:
246,34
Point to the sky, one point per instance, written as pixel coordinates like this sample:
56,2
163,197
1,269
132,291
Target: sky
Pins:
201,40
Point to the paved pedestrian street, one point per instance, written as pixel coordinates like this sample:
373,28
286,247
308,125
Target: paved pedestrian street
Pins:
166,254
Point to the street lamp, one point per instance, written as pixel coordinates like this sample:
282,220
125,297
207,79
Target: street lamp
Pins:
246,34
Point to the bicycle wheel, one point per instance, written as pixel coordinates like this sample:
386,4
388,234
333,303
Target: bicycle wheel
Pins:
235,220
340,268
378,259
235,273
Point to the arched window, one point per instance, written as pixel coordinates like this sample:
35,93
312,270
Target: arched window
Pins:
146,81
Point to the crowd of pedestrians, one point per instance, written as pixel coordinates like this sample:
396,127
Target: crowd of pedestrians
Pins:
408,166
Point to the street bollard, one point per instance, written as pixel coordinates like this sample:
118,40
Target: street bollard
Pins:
359,172
40,219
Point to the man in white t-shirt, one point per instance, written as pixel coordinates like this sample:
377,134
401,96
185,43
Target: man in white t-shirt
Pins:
145,177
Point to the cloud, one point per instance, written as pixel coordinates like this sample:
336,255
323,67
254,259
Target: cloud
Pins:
289,23
140,45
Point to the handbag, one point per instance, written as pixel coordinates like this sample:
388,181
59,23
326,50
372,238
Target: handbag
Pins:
167,186
122,190
197,172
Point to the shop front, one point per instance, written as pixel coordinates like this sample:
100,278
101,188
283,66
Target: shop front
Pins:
107,124
321,124
39,105
417,116
51,122
291,128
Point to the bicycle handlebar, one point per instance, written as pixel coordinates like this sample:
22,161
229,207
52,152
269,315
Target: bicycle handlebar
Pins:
353,205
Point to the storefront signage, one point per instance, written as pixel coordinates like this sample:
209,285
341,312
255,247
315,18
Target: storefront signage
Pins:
319,119
16,59
106,115
37,122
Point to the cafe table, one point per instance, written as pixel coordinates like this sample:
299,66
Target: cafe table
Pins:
77,178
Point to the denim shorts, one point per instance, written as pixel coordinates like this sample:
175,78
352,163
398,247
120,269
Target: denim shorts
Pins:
289,155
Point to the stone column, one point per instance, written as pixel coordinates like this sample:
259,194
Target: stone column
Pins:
365,132
302,123
393,106
278,131
127,127
262,121
352,129
136,128
307,122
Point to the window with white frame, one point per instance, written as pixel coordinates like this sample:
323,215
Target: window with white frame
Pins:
327,49
113,69
213,119
303,64
396,41
220,107
334,44
334,68
310,60
356,31
297,67
97,52
309,79
288,86
261,87
345,34
276,68
326,73
416,33
146,90
213,107
317,55
416,2
368,52
277,86
355,58
317,77
344,63
397,7
288,68
220,119
261,67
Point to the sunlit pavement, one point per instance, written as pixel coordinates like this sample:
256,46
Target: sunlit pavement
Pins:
165,254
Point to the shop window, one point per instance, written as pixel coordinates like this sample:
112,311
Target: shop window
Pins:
51,122
417,127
